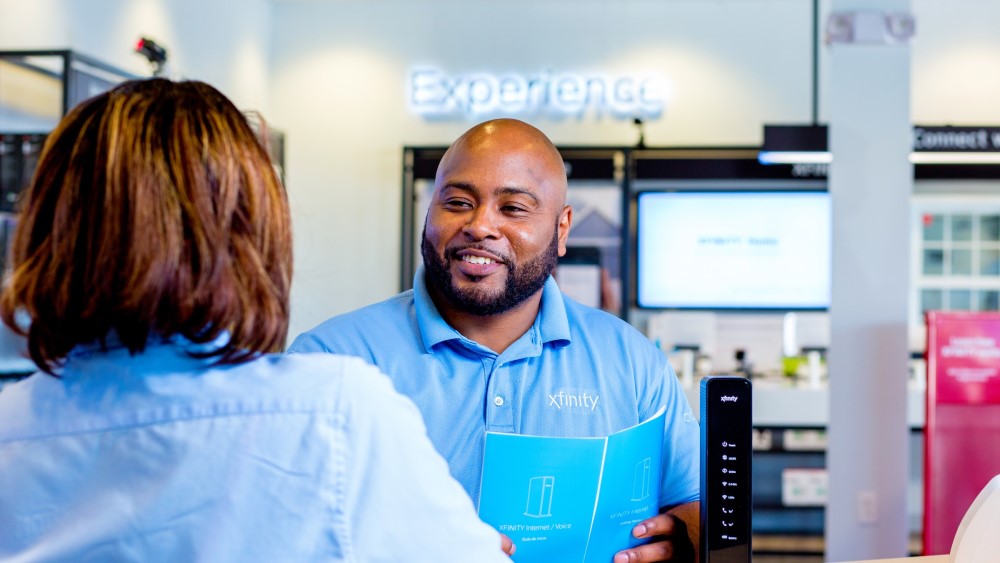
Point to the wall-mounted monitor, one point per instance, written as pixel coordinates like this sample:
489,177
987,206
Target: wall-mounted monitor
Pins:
733,249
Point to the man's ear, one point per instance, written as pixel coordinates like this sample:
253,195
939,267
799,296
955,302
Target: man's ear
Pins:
565,222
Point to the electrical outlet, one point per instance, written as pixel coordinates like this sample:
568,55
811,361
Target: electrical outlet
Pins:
867,507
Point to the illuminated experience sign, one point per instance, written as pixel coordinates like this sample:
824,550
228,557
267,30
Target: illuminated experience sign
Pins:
435,94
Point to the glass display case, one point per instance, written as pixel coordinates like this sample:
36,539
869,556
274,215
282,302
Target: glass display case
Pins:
36,89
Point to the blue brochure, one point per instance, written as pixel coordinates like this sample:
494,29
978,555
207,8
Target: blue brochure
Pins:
572,499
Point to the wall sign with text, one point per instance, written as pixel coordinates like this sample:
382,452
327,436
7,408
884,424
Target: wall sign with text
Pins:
435,94
956,139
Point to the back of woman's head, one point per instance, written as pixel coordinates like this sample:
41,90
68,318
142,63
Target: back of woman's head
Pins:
154,212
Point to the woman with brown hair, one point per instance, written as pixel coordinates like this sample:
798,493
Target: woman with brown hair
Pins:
152,265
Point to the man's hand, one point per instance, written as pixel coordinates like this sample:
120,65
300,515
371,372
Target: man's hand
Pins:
674,533
507,545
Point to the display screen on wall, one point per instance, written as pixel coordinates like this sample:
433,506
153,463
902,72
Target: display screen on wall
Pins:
767,250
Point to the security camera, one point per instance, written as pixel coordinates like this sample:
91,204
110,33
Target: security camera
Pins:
156,54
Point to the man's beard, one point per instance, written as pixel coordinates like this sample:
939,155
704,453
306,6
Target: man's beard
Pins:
523,281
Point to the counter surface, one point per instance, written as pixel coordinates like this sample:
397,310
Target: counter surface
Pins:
925,559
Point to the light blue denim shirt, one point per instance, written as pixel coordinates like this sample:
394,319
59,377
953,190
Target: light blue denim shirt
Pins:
164,457
577,372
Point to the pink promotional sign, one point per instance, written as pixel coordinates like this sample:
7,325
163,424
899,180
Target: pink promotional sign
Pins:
962,428
964,357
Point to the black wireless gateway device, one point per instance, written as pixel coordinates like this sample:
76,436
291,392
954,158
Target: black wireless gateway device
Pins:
726,434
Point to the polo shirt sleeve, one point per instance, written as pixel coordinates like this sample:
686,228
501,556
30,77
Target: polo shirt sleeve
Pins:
309,342
401,502
681,477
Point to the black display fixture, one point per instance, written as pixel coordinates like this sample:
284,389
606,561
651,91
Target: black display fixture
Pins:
790,144
800,143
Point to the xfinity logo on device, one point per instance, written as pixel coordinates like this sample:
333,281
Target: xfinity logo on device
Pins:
434,94
729,398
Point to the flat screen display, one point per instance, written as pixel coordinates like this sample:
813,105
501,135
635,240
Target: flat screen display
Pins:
734,250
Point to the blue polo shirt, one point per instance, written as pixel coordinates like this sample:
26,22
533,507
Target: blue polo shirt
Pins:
576,372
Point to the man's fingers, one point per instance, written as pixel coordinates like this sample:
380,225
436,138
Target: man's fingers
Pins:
659,525
675,546
507,545
657,551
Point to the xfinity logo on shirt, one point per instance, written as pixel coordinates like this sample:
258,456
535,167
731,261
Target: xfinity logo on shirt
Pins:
562,400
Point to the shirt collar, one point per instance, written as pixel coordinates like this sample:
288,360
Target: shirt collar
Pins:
552,324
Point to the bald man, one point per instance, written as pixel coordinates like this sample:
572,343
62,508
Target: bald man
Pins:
485,338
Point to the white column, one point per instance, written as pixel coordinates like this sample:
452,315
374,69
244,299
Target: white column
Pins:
871,181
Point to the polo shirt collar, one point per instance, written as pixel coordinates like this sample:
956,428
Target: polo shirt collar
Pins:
433,328
552,323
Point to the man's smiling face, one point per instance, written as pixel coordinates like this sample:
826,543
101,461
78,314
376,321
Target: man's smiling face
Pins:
498,221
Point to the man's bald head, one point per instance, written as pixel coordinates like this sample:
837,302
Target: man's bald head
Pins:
504,138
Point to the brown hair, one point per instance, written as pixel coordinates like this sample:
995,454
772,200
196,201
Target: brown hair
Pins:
154,212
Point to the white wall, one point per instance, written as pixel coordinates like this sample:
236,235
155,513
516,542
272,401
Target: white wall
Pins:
956,62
